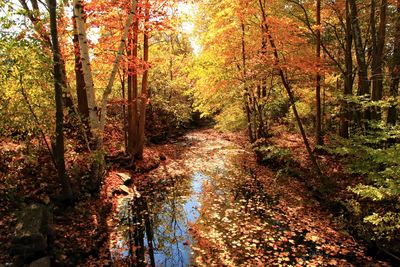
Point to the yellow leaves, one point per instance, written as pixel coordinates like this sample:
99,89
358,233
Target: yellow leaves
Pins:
333,262
312,238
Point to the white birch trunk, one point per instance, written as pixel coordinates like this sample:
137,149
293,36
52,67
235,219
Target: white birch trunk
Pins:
97,122
87,72
117,61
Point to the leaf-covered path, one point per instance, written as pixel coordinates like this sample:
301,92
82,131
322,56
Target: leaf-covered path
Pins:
210,204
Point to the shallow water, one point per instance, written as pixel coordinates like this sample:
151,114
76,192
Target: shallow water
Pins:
208,208
174,207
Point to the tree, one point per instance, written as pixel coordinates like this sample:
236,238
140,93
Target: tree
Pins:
143,98
86,68
59,147
83,107
98,119
395,69
337,44
347,74
246,94
359,46
133,120
378,49
318,120
281,73
33,14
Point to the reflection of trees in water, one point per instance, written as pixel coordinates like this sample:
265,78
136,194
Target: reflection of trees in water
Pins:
153,227
134,226
170,223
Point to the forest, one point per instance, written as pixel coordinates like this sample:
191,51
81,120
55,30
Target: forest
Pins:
199,133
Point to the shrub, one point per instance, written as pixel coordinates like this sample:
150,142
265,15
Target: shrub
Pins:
376,158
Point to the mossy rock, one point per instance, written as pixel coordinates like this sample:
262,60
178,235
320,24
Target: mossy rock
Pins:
32,229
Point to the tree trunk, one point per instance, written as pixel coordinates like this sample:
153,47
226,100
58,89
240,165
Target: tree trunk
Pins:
86,68
363,81
360,52
133,123
318,120
59,148
245,90
145,78
395,70
68,103
80,79
378,44
125,121
171,65
348,77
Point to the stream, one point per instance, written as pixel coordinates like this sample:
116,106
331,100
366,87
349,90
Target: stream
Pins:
172,209
204,208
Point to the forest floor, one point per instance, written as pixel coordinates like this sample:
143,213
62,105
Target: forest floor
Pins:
277,214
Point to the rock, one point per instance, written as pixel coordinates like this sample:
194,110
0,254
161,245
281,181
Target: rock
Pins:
42,262
122,189
163,157
126,178
136,192
29,245
31,232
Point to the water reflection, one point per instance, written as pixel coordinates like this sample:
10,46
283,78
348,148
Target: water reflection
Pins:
155,228
197,217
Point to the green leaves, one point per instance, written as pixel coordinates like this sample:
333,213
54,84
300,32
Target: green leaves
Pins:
375,156
384,226
24,80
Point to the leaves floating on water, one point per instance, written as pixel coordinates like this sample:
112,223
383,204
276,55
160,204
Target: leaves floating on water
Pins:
213,206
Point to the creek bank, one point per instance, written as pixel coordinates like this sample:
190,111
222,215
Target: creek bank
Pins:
286,155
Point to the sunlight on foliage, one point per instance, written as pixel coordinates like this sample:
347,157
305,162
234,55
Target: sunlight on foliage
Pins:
25,88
